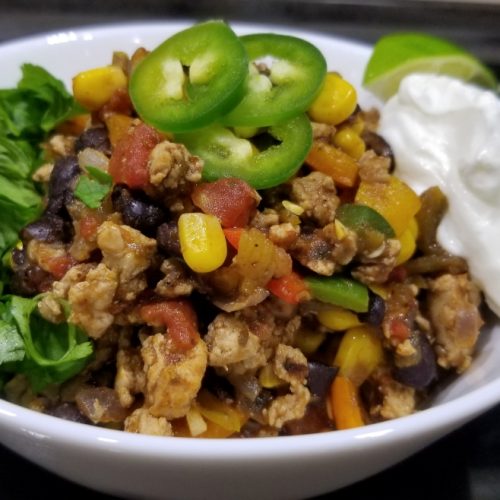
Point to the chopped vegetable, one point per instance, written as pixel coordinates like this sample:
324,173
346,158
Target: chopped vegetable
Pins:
295,77
394,200
46,353
362,217
94,88
129,161
349,141
202,240
291,288
178,317
336,101
345,404
94,187
231,200
332,161
339,291
360,352
191,79
226,155
337,318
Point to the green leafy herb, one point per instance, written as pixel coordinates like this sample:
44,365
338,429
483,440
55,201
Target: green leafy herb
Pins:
94,187
36,106
27,114
46,352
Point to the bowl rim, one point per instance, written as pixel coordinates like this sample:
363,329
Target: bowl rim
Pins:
448,414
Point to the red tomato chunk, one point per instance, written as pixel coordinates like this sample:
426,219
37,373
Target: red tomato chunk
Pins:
129,162
178,317
231,200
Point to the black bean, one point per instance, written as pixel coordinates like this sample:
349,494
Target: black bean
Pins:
167,237
62,183
49,228
68,411
137,210
320,378
27,278
421,369
376,310
379,145
95,138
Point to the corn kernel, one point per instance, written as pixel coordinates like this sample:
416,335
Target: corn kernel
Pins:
338,319
336,101
360,352
93,88
350,142
268,379
358,124
202,240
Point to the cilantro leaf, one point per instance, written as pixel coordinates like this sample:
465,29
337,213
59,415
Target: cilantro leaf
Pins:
38,104
94,187
46,352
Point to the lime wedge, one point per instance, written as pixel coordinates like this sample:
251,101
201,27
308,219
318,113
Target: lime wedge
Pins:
400,54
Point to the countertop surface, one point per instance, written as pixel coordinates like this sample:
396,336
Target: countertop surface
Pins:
464,465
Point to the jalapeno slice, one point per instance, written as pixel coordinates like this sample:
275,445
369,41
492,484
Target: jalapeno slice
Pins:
285,88
191,79
260,165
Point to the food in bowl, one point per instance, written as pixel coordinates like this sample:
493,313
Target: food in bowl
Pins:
246,278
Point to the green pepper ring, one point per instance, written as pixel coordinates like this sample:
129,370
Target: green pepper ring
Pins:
225,64
291,96
261,170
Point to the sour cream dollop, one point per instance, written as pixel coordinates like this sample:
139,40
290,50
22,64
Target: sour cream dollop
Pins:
447,133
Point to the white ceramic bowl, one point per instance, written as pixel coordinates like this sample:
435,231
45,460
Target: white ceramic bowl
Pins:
131,465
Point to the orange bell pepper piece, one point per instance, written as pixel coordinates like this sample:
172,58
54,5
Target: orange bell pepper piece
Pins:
345,405
332,161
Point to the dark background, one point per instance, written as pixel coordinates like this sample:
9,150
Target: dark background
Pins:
466,464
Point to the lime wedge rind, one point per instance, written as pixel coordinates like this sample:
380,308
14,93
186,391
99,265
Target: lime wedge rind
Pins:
396,56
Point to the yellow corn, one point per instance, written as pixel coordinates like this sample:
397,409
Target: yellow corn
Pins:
358,124
408,246
220,413
360,352
93,88
336,101
308,341
268,379
203,244
350,142
337,318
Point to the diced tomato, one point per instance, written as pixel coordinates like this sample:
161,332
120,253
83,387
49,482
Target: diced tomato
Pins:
129,161
230,200
290,288
399,330
58,266
88,227
178,317
233,235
